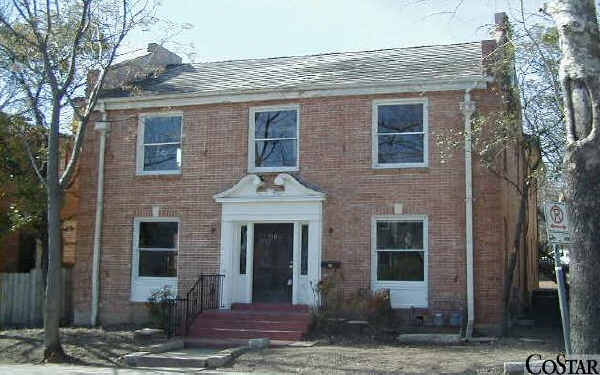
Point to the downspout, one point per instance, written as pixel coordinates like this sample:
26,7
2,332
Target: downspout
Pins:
101,127
468,108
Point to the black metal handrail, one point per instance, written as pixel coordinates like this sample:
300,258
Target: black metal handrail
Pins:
205,294
174,314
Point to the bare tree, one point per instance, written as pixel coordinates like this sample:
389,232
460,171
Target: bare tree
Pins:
47,48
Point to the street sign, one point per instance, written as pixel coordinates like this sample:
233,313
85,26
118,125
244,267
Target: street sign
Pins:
557,223
557,226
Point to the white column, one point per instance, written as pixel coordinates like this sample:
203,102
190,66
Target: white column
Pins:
227,228
314,257
249,262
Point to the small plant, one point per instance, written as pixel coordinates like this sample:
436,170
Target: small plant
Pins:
335,308
331,302
158,304
379,307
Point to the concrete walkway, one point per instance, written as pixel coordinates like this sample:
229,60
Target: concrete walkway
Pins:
52,369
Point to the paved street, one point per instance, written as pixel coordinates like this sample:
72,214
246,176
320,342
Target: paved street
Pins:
72,370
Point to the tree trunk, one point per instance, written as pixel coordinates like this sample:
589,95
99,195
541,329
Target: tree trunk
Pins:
53,351
580,78
520,228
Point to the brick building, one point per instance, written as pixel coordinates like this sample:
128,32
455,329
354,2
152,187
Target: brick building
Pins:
270,170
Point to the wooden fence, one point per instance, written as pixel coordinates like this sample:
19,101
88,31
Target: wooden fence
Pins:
22,298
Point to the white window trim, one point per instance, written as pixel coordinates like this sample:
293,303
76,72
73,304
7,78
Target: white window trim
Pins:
145,282
374,136
140,143
252,144
411,285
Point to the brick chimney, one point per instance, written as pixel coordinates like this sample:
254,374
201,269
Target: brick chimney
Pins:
493,49
501,29
123,73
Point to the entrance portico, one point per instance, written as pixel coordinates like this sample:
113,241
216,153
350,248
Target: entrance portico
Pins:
293,213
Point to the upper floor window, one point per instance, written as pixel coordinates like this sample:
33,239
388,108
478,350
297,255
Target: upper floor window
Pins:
273,141
400,133
159,144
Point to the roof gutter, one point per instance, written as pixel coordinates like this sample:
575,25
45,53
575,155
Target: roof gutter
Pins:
240,96
102,128
468,109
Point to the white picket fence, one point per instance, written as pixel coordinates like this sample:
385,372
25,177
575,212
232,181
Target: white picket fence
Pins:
22,298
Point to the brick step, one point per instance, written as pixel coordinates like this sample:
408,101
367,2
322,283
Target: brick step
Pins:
218,343
232,333
255,315
262,307
290,325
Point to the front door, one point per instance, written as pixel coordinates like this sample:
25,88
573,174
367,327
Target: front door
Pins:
273,263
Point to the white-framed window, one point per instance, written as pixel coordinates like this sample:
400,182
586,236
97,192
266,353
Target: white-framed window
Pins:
400,258
155,249
273,142
159,143
400,133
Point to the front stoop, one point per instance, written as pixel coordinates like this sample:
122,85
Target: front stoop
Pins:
191,342
251,321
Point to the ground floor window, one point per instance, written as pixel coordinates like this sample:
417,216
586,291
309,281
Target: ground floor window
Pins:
400,253
400,258
155,247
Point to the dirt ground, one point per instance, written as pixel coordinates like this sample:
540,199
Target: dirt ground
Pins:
103,348
399,359
96,347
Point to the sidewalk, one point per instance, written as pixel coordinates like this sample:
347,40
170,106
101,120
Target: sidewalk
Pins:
52,369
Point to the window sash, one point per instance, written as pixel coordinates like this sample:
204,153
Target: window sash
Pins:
157,249
262,140
274,139
400,250
380,134
410,125
162,144
170,127
139,249
423,251
144,144
169,272
403,269
274,154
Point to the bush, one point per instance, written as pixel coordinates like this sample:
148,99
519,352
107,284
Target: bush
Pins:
158,305
374,307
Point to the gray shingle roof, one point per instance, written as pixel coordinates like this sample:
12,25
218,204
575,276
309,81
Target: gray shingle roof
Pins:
366,68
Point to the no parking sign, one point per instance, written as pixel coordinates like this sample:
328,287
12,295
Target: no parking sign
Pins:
557,223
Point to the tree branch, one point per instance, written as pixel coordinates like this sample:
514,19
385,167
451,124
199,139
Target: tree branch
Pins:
67,178
33,162
82,27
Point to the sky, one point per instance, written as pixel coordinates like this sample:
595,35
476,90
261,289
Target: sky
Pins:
215,30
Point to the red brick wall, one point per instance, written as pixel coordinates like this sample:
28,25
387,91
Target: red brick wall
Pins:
335,154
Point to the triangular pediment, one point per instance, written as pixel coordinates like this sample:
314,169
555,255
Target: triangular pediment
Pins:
284,187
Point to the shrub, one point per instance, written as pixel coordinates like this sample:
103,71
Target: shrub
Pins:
158,305
374,307
379,307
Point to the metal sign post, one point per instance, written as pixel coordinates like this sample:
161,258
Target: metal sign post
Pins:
557,226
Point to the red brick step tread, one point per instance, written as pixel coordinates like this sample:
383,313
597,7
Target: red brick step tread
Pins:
246,321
